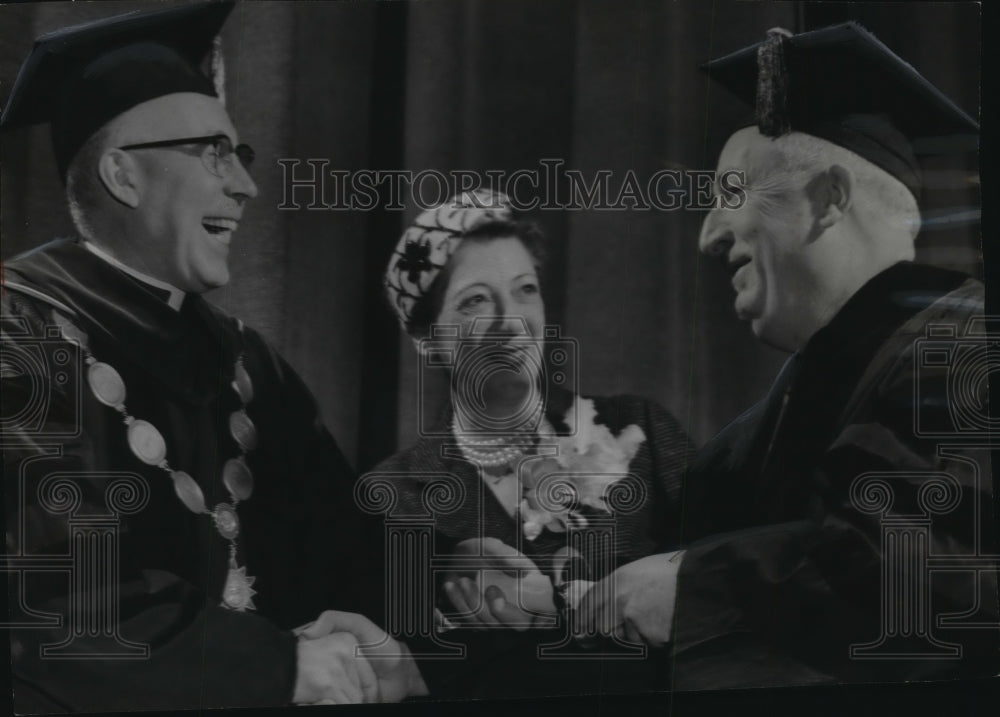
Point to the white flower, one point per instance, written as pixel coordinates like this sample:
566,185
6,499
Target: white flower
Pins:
592,460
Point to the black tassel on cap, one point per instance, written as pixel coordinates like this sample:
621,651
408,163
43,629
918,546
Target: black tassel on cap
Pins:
841,84
772,84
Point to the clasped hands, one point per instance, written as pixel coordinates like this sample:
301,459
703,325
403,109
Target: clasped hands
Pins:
344,658
634,603
505,589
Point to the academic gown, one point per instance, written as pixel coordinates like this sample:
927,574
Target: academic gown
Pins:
785,572
504,663
301,538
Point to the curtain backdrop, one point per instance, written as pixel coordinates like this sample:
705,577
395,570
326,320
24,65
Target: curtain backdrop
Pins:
498,85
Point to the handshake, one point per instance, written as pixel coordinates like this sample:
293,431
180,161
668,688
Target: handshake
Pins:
344,658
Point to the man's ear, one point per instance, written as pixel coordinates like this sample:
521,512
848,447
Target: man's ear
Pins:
834,193
120,176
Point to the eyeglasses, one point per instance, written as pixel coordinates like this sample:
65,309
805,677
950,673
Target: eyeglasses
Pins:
217,155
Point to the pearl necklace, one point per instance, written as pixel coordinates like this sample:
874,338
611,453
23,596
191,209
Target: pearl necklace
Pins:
493,452
489,452
493,459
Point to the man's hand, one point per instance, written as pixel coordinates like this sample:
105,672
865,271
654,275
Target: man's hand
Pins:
396,676
635,602
328,672
493,595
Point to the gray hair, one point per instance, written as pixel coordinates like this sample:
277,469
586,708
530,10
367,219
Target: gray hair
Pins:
877,190
84,188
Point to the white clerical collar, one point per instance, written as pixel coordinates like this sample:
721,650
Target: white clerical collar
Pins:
176,295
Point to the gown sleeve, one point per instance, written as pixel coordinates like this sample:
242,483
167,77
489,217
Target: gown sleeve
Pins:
784,602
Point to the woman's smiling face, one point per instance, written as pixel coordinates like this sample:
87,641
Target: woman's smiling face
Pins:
493,287
493,298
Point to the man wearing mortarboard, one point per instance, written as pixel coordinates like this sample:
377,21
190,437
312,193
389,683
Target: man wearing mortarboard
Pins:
224,509
814,519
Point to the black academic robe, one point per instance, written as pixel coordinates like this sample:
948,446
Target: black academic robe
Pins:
502,663
301,537
785,573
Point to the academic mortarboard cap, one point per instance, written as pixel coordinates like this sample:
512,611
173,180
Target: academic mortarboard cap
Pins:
81,77
842,84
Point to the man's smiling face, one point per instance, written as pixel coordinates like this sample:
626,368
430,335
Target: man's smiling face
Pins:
765,241
186,215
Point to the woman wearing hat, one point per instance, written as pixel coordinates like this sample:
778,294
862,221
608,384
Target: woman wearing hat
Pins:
537,463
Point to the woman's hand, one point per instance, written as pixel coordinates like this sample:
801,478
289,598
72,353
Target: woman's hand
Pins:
505,589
